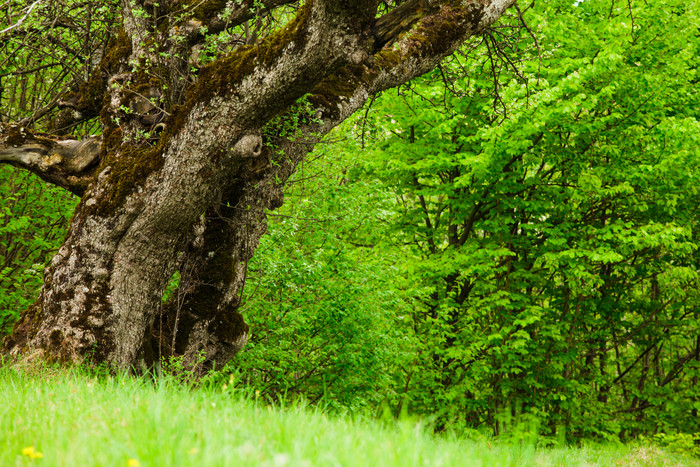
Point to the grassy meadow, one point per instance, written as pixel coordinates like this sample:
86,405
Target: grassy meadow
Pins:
67,418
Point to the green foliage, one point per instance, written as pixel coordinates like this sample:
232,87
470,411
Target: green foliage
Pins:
33,221
682,443
556,232
328,321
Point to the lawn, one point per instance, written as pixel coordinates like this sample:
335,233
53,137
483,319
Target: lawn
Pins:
67,418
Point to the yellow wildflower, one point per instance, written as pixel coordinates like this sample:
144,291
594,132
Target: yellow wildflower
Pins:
133,463
31,453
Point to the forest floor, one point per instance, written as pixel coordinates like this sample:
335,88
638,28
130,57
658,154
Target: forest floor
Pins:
67,418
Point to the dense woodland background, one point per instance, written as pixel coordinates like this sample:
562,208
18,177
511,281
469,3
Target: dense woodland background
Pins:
512,235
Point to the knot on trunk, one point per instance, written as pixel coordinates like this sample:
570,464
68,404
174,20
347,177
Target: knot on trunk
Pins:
249,146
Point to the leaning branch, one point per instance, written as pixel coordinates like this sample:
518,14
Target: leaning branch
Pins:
67,163
388,27
19,23
201,19
415,42
228,15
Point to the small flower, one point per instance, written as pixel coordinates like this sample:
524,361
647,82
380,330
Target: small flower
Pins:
133,463
31,453
193,451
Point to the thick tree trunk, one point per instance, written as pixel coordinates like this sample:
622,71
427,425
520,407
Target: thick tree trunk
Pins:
201,320
195,199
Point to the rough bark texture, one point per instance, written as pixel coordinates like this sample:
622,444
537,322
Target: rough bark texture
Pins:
191,194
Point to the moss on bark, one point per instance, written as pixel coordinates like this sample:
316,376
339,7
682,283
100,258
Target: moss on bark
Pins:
129,167
225,73
24,329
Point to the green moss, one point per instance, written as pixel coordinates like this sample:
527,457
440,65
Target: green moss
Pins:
387,59
15,135
230,70
90,95
117,52
130,166
444,28
343,84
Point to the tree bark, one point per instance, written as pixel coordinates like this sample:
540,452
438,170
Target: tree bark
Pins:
183,183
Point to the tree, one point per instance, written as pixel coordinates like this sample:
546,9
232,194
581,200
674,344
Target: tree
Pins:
557,231
200,123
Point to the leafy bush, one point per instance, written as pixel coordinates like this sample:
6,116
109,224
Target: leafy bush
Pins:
33,220
329,321
682,443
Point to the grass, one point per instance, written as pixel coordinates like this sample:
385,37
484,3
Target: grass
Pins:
70,419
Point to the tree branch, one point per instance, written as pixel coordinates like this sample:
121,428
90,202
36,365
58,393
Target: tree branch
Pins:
388,27
67,163
211,14
19,23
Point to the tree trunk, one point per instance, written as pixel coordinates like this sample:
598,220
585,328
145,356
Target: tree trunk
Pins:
186,169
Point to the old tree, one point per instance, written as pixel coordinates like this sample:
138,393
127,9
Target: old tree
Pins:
202,111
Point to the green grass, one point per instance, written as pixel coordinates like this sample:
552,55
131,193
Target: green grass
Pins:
75,420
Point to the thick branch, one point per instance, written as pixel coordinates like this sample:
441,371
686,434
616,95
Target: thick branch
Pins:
388,27
432,37
68,163
282,67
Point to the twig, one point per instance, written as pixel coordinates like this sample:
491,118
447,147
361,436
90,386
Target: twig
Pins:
19,23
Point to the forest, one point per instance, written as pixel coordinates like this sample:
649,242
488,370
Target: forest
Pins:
499,227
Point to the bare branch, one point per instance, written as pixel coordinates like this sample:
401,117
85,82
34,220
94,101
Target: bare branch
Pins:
67,163
19,23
